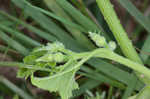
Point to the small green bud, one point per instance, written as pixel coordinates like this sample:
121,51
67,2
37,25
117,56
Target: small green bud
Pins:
101,41
112,45
45,58
98,39
55,57
59,57
54,47
51,47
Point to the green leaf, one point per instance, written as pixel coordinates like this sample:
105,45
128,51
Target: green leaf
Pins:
35,30
80,18
24,73
14,44
46,23
78,35
20,36
144,21
30,59
144,94
131,86
145,48
57,82
99,77
89,84
132,97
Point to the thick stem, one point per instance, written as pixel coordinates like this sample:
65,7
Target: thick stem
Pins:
121,36
108,54
114,24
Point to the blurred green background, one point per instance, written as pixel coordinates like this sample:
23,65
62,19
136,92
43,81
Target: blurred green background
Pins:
26,24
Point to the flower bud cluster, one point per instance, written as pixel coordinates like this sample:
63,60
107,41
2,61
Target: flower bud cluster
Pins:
52,57
53,53
100,41
51,47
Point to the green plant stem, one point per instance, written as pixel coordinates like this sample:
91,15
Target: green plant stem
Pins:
84,56
106,53
21,65
121,36
114,24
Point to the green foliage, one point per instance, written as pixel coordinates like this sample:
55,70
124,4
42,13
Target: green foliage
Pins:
98,96
144,93
69,22
62,82
100,41
57,53
53,53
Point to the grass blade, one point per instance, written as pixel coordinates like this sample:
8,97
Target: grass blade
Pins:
78,35
145,48
15,88
144,21
86,22
33,29
89,84
20,36
17,46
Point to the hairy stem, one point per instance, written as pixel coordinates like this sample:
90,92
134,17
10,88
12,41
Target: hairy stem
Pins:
108,54
120,34
117,29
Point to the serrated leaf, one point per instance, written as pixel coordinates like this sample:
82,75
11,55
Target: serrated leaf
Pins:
30,59
57,82
24,73
144,94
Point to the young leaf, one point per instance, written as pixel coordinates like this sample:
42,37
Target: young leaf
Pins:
57,82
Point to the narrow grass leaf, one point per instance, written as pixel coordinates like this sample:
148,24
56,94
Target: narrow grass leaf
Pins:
17,46
113,71
77,34
44,21
37,31
48,24
89,84
97,76
14,88
20,36
144,21
145,49
80,18
131,87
